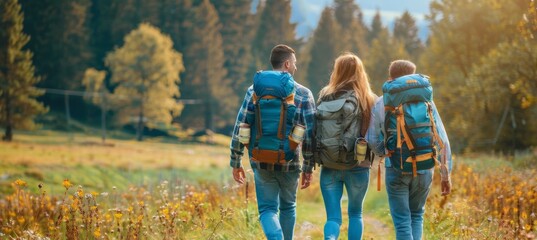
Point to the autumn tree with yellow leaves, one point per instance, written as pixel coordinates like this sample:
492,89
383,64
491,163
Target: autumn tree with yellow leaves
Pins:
483,71
145,77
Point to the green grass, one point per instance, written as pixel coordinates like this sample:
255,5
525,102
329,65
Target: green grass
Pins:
48,157
51,157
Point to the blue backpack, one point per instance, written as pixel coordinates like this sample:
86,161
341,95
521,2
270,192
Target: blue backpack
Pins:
410,127
271,118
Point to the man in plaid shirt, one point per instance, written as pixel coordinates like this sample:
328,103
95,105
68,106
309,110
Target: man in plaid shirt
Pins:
276,184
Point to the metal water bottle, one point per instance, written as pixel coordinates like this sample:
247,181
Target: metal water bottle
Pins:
297,135
360,149
244,133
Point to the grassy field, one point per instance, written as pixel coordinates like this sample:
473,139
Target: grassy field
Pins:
49,157
209,205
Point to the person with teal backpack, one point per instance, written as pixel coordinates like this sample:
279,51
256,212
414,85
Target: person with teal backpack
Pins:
407,130
274,123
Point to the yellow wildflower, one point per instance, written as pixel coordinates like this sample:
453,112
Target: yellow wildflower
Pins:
80,192
67,184
108,217
97,233
166,213
21,220
20,183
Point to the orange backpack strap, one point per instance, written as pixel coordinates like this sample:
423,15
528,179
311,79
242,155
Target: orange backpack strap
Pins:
379,173
403,128
290,100
281,124
257,111
254,98
436,136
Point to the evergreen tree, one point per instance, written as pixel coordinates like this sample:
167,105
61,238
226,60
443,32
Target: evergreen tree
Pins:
384,49
205,75
146,72
18,105
353,30
323,54
274,28
376,27
112,20
128,14
406,31
173,14
236,38
303,62
103,41
60,40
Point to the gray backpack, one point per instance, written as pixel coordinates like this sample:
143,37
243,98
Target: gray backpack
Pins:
338,123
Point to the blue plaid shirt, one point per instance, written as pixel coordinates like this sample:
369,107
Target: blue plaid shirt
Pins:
305,115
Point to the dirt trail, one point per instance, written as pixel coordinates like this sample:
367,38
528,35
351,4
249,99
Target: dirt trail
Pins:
374,229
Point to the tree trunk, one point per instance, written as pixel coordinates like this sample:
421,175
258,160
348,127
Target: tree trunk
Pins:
68,115
103,117
8,136
140,128
208,115
208,106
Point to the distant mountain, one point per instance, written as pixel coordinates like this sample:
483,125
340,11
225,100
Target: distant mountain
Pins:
306,13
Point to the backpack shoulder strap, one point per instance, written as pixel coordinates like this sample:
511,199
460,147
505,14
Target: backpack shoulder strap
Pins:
351,97
363,124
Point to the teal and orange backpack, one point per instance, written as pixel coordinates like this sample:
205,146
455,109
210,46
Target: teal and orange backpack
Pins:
410,127
270,117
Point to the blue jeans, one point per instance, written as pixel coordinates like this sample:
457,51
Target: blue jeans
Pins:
407,196
276,191
356,182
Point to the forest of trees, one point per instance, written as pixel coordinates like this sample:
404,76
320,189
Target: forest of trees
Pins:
139,59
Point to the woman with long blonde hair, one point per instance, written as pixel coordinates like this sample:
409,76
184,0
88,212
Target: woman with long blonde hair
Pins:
351,100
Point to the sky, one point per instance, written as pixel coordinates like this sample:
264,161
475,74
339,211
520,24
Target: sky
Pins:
306,13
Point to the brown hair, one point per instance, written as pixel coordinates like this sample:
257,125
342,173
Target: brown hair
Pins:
400,68
279,54
349,71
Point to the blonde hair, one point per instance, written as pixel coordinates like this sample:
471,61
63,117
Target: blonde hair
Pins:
399,68
349,71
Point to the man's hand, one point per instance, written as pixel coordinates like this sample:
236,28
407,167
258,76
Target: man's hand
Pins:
446,187
306,180
238,175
